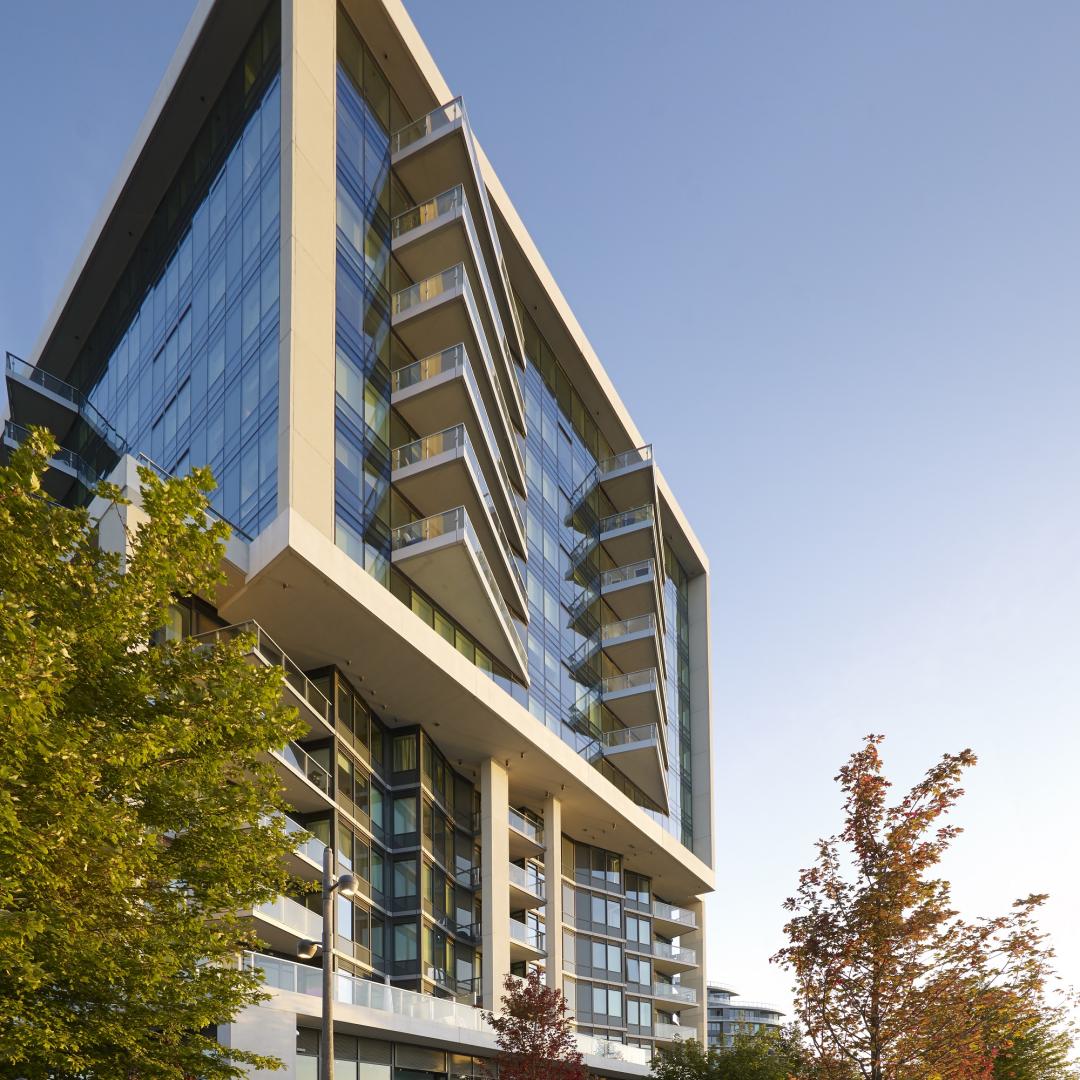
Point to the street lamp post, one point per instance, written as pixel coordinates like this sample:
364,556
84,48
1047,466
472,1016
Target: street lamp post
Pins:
347,885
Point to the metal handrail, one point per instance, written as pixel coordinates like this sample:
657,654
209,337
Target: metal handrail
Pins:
631,680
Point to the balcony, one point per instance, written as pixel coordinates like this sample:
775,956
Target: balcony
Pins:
526,888
299,691
669,919
671,1032
639,754
281,922
442,390
633,644
438,233
307,857
636,698
445,558
306,783
672,959
630,536
437,153
633,590
435,313
38,397
627,478
66,468
526,835
443,470
527,943
671,992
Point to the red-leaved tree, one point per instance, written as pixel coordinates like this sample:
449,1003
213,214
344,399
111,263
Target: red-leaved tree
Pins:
534,1033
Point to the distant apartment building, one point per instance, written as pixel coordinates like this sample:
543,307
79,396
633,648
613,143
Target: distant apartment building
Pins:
491,610
730,1015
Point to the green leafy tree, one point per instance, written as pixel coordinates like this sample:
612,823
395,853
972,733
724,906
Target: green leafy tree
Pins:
134,792
890,982
1043,1052
534,1033
768,1054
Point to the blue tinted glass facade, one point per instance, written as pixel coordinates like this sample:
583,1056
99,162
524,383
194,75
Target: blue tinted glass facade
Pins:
362,333
193,379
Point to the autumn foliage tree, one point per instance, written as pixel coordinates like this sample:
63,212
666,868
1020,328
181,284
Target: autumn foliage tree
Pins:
534,1033
890,982
137,810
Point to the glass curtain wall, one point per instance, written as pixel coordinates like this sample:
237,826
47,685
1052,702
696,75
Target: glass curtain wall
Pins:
191,331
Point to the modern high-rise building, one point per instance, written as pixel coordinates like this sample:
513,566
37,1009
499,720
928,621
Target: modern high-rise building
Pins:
730,1015
492,613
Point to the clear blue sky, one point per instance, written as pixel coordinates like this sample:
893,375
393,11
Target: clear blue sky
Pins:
830,254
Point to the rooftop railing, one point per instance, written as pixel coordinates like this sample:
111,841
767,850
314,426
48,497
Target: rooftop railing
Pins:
273,655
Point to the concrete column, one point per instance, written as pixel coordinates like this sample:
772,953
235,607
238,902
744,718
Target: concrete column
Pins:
553,913
696,978
494,869
700,718
308,261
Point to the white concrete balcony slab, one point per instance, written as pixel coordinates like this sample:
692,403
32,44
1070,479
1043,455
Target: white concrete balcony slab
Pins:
631,536
438,312
437,152
443,555
634,644
627,478
672,959
442,390
442,470
526,835
439,233
639,754
282,923
636,698
634,589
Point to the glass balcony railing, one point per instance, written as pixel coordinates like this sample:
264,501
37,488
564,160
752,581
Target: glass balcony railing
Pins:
295,916
527,826
687,995
671,913
450,202
431,288
639,455
430,446
641,733
679,953
350,990
17,434
441,117
611,630
632,680
531,936
456,359
457,521
527,879
303,763
632,572
269,652
626,518
311,848
671,1032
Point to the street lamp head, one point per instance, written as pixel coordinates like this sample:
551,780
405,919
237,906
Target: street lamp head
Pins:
348,884
307,949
